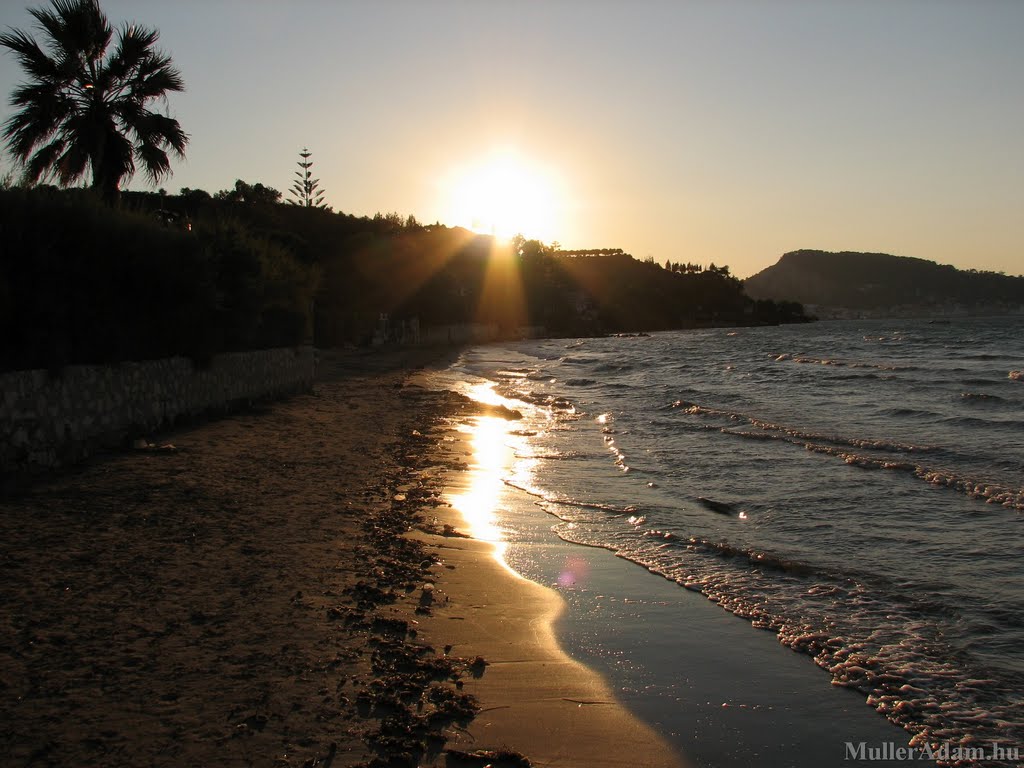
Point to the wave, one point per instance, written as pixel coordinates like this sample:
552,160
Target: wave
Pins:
886,645
977,422
782,432
548,504
550,501
513,373
616,367
549,456
839,447
981,397
976,488
981,356
913,413
828,361
550,402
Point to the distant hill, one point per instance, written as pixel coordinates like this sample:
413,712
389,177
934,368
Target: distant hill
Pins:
880,284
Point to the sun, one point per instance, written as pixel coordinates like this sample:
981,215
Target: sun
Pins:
505,195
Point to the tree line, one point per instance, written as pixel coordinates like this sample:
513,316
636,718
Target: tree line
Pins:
129,275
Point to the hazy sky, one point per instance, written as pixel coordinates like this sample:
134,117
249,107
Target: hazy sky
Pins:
722,131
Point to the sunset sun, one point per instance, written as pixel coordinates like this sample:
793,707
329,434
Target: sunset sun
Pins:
505,195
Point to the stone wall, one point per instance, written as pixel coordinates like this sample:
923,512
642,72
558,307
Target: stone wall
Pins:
52,420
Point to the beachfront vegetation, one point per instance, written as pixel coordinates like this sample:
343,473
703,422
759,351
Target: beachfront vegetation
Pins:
81,282
83,109
392,264
195,274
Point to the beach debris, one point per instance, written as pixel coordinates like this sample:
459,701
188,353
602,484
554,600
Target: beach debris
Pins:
254,722
427,595
478,665
481,758
415,694
323,762
390,626
413,698
142,444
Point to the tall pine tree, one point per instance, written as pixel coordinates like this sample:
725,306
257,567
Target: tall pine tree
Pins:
306,190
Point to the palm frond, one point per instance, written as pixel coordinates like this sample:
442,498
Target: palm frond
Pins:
159,130
133,48
42,163
38,120
154,161
33,59
71,165
78,29
156,77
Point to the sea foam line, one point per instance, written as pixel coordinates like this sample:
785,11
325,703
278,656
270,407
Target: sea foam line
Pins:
902,666
976,488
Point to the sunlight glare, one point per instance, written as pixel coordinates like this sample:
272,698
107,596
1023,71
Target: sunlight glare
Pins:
478,504
493,455
505,195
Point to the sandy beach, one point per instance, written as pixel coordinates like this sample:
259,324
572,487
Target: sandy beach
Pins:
287,586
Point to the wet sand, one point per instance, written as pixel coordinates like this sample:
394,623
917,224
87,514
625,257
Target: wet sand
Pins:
261,595
714,688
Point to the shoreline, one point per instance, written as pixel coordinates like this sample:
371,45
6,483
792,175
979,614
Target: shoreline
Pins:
712,686
248,597
535,698
289,586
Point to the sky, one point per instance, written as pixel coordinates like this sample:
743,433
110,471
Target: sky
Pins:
726,131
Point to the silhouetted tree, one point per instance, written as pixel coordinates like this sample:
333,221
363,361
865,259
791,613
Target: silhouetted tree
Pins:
84,106
194,195
306,190
249,193
391,220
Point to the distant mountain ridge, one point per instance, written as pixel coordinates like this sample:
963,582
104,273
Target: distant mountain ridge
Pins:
881,284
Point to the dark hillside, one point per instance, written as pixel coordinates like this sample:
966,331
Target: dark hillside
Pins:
879,281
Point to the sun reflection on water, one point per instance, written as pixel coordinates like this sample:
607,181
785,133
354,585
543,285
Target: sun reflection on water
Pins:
493,455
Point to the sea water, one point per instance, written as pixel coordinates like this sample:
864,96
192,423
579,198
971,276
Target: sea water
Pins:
855,488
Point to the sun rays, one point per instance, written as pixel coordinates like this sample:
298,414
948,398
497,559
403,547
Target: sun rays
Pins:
505,194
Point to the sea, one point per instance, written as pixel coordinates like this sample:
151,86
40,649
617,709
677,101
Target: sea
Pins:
852,489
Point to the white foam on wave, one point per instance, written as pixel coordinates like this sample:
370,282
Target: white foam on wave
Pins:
839,446
890,650
828,361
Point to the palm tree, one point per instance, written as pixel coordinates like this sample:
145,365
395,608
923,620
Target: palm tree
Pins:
84,106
